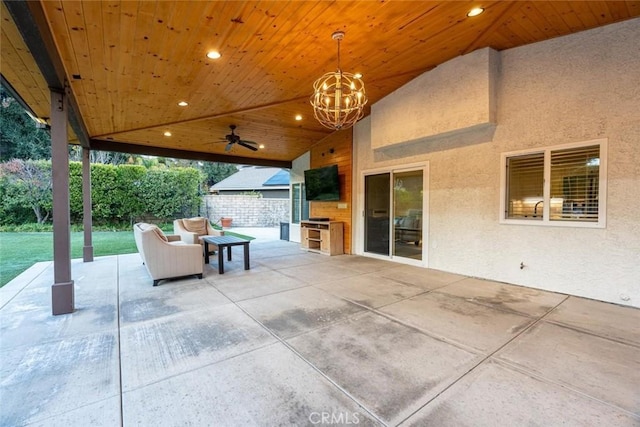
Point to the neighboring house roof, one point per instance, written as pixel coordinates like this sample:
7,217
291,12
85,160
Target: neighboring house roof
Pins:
254,178
280,178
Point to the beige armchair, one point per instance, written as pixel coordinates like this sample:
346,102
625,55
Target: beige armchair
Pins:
166,256
191,229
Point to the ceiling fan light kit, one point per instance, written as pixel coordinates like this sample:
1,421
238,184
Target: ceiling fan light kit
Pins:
338,97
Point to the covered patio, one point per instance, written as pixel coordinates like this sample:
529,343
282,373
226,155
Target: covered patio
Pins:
307,339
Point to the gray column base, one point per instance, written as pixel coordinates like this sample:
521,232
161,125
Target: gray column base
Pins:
62,298
87,253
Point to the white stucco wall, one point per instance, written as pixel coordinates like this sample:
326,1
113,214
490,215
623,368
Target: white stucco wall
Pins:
577,88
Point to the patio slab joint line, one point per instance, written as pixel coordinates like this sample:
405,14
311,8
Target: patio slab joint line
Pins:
376,309
119,339
484,359
293,350
593,334
565,386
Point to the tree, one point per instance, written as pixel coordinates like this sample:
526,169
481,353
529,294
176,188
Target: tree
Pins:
28,182
216,172
103,157
19,136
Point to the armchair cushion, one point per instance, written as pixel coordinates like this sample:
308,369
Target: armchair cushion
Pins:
160,234
195,225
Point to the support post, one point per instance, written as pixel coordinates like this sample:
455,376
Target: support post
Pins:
87,249
62,292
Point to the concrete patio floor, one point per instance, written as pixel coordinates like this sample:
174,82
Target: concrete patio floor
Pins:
306,339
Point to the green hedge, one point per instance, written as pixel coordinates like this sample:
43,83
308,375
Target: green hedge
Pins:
123,193
115,192
171,192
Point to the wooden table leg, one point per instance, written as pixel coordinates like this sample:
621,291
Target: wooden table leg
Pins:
229,253
206,252
221,259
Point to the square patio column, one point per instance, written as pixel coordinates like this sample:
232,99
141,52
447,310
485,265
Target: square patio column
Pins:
87,249
62,292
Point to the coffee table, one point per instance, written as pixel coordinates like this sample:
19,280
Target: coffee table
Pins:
225,242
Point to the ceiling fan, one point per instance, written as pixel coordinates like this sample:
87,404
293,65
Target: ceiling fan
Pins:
232,139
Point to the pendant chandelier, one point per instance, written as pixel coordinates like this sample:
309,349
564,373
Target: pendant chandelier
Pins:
338,97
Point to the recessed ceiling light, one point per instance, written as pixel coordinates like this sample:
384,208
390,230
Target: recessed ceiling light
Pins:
475,12
183,103
298,117
167,133
261,146
358,75
214,54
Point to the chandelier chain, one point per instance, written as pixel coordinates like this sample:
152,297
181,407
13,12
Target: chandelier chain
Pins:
339,69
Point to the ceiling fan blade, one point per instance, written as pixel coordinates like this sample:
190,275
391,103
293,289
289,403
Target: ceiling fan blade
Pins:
232,138
246,144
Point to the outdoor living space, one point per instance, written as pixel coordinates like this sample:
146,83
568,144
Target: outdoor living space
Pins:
308,339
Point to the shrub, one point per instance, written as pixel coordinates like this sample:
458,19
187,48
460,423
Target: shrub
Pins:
169,193
119,194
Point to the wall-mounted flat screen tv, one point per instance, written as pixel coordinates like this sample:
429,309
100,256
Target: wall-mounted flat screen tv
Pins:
322,184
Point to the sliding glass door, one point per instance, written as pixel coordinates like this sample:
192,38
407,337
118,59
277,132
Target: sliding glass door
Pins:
394,204
377,211
407,214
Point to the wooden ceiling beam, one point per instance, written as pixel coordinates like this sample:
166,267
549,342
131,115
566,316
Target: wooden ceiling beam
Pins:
121,147
207,117
30,20
248,109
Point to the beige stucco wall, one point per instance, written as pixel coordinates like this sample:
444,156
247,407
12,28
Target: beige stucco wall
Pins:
570,89
455,97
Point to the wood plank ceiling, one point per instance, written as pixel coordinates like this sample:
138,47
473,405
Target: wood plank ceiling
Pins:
130,63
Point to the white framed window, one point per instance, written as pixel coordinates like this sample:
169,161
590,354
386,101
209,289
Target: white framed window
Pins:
563,185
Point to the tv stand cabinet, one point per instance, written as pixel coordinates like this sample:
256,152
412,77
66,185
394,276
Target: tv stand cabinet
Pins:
323,237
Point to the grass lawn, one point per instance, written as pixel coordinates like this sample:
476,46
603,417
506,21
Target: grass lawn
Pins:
19,251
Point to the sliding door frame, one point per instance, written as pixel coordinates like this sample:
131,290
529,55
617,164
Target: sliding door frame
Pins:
361,219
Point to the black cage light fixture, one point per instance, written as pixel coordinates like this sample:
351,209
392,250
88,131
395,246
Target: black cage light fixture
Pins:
338,97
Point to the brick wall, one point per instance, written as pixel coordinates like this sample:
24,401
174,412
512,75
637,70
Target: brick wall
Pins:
246,211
